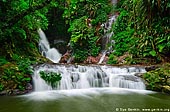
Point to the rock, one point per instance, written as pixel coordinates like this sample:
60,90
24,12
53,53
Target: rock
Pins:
139,74
65,58
130,78
150,68
75,77
168,81
122,59
95,60
29,86
91,60
10,92
166,89
2,93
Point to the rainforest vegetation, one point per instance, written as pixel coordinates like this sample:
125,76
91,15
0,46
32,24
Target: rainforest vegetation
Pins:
142,29
141,33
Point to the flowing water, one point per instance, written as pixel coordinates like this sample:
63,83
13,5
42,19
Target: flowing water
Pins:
89,88
89,76
87,100
106,39
102,57
44,46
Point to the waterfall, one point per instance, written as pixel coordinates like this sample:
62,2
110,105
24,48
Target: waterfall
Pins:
80,77
108,33
103,56
106,39
50,53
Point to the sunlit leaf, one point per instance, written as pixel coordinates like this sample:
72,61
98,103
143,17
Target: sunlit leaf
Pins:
153,53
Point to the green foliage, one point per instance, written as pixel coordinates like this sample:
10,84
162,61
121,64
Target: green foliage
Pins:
18,28
83,40
15,77
153,80
85,18
142,29
157,79
50,77
19,39
24,66
3,61
95,10
112,59
1,87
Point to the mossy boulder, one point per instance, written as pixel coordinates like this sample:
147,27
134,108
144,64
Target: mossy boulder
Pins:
158,79
166,89
14,77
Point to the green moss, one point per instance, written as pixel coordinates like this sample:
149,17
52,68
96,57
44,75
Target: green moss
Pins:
15,76
158,80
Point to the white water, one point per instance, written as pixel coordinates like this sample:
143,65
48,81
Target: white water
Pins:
86,93
103,56
106,39
50,53
81,77
108,33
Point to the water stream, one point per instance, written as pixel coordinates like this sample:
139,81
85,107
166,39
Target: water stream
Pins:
44,46
102,57
89,76
87,100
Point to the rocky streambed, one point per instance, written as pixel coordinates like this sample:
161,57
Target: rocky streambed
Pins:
157,78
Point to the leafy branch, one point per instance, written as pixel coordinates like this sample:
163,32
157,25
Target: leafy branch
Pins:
11,22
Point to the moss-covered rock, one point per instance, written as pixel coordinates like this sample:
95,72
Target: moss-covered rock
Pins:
14,76
166,89
158,79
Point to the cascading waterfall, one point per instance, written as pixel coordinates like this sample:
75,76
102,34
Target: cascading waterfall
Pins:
107,38
50,53
81,77
103,56
108,34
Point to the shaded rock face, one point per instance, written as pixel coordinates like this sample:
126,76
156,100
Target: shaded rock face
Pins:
28,89
150,68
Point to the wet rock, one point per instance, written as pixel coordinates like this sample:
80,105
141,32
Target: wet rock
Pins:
168,81
166,89
95,60
150,68
130,77
91,60
75,77
13,92
139,74
29,86
65,58
2,93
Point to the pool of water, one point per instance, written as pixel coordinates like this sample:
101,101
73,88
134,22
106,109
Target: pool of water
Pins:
87,100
